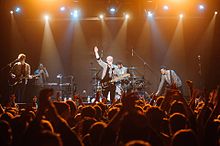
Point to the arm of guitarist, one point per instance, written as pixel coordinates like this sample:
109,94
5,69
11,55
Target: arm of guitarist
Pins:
99,60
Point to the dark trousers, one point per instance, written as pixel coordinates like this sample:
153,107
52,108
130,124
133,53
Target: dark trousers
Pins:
111,89
19,91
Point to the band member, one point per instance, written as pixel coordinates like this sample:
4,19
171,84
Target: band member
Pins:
107,74
168,79
120,69
42,75
20,73
121,85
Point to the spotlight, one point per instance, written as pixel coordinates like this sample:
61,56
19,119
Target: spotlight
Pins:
165,7
75,13
216,12
201,7
46,17
127,16
62,8
101,16
11,12
149,14
17,9
181,15
112,10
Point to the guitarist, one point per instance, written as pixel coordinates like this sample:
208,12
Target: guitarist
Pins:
20,73
107,75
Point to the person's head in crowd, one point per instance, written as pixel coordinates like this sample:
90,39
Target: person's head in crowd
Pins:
73,107
177,107
146,107
212,133
112,112
5,133
83,126
19,127
139,108
134,127
137,143
103,107
159,100
46,125
47,138
178,121
63,109
96,131
45,97
28,116
7,116
98,112
88,111
2,111
140,103
184,137
155,117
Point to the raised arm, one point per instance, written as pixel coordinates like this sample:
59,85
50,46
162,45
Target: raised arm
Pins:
99,60
96,50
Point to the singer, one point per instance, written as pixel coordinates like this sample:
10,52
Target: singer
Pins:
107,75
19,73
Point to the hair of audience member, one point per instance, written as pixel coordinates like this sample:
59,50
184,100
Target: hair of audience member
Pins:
28,116
73,107
112,112
47,125
63,109
19,128
5,133
146,107
184,137
83,126
211,133
88,111
103,107
137,143
86,140
140,103
47,138
7,117
134,127
178,121
98,112
96,132
155,117
2,111
159,100
177,107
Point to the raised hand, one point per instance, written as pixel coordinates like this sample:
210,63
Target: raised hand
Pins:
96,49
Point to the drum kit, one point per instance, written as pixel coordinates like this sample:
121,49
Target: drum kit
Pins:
133,82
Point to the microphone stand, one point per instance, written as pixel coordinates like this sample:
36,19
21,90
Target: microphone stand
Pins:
8,65
142,60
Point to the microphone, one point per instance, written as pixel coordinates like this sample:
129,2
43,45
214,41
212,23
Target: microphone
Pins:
11,63
132,52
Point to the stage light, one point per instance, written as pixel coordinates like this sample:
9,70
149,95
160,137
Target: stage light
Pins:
101,16
165,7
62,8
75,13
216,12
181,16
11,12
17,9
149,14
201,7
112,10
127,16
46,17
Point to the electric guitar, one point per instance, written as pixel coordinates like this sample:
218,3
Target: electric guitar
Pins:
19,79
106,84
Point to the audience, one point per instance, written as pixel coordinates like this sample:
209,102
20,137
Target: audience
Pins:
167,120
